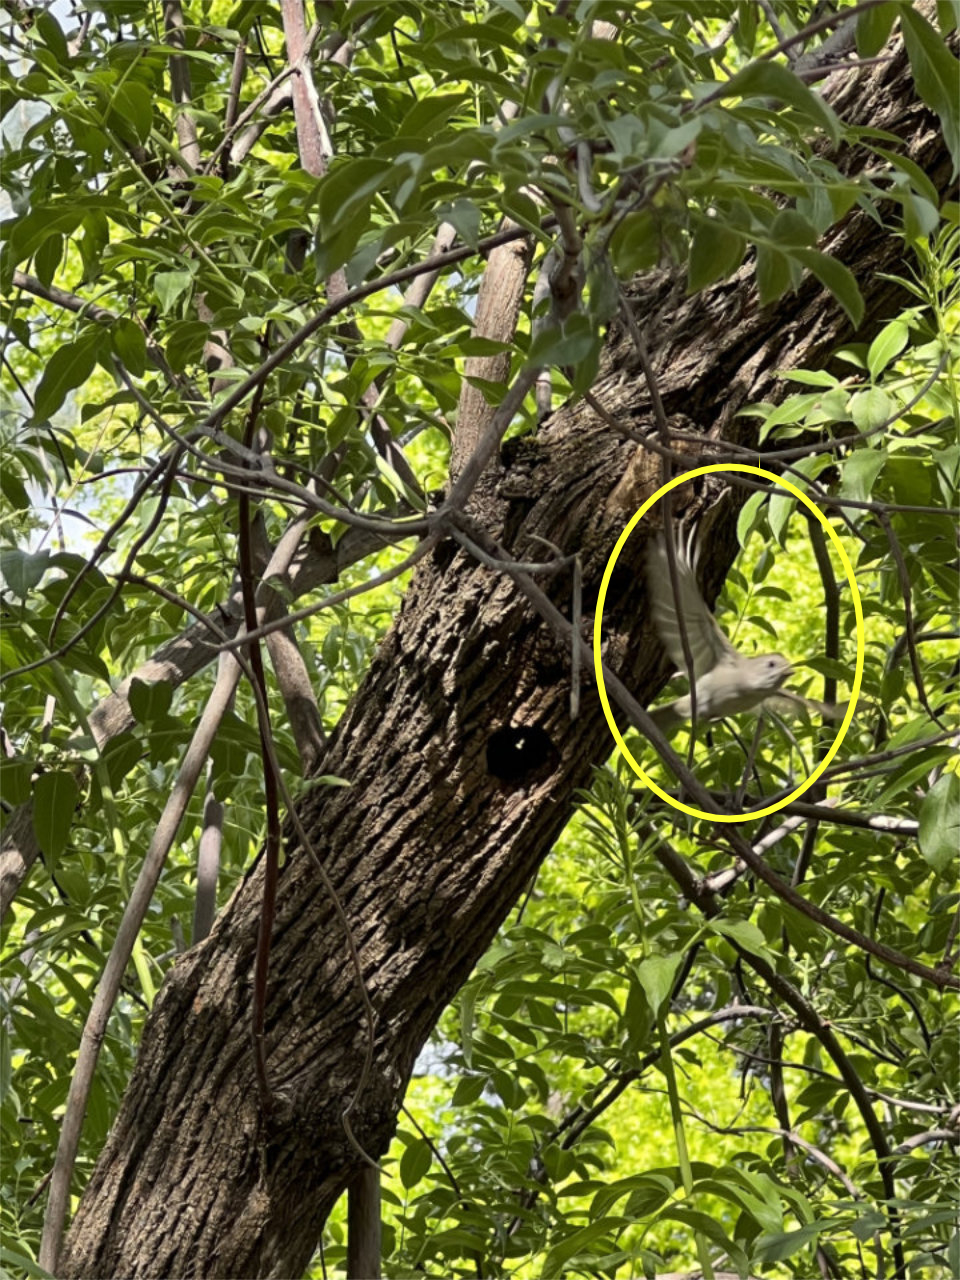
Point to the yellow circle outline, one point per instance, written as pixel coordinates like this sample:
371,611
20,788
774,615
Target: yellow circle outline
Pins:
598,661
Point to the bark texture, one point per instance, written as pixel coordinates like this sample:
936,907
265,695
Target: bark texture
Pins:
450,808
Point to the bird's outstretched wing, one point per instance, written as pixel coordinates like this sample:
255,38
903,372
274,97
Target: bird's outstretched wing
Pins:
708,645
786,703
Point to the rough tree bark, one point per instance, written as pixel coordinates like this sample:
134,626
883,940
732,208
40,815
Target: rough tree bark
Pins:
449,811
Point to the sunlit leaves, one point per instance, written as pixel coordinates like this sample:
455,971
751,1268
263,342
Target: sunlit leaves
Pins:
415,1162
170,286
886,346
655,975
774,80
860,473
692,160
870,409
940,823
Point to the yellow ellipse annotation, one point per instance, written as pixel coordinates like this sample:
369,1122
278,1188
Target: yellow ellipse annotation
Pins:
598,661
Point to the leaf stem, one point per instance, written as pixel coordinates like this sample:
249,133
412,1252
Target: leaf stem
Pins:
683,1156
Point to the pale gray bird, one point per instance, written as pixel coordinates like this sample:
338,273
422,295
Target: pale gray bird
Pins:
727,682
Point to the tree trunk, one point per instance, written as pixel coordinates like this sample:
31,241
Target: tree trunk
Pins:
450,809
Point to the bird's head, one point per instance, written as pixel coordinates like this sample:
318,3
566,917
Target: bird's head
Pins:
771,670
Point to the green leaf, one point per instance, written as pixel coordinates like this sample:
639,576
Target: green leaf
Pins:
647,1192
568,343
347,192
715,254
763,1214
704,1225
14,490
870,409
602,293
854,353
22,1264
791,230
774,1248
415,1162
656,975
677,139
21,570
839,279
48,28
325,780
585,369
130,344
331,253
764,565
68,368
15,781
773,80
749,517
149,701
635,245
185,339
745,27
886,346
120,755
778,516
465,217
793,409
134,103
468,1090
773,274
482,347
492,392
809,377
47,258
522,209
743,932
918,179
54,801
560,1254
468,998
936,73
874,27
859,473
429,113
514,8
940,823
169,285
921,218
414,499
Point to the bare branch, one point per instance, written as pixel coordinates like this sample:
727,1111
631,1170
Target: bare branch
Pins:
180,91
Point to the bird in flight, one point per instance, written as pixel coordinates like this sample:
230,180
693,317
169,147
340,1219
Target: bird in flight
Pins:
726,681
